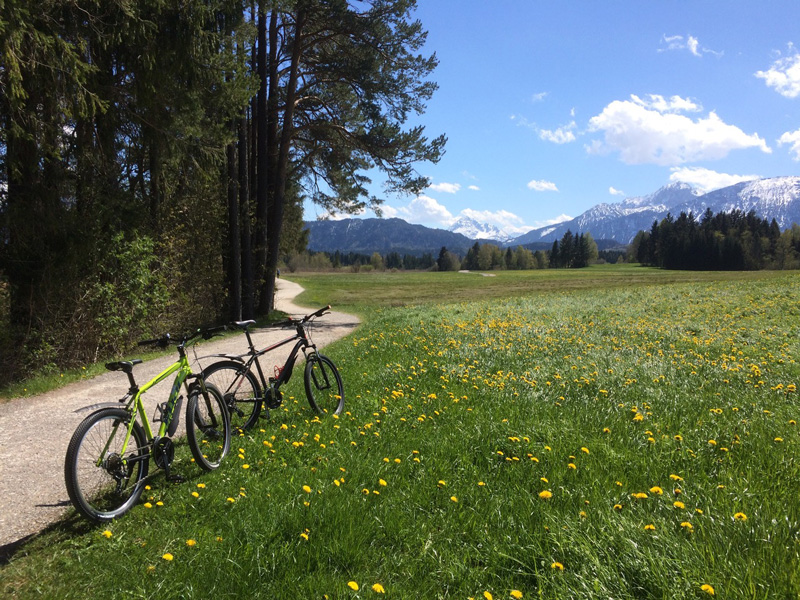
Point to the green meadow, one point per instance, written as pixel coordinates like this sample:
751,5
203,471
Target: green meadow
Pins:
615,432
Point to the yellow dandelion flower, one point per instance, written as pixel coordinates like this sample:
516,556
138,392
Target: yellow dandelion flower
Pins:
649,527
707,589
201,485
167,556
557,565
304,536
572,466
740,516
546,494
352,585
453,498
382,482
148,505
487,595
245,466
306,489
481,483
107,533
687,526
676,477
656,490
515,594
441,483
231,500
378,588
618,507
678,504
191,543
585,450
639,495
195,494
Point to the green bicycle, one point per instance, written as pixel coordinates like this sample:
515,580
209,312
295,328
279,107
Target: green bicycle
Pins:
108,456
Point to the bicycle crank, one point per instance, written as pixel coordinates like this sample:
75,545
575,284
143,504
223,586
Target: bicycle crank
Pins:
163,455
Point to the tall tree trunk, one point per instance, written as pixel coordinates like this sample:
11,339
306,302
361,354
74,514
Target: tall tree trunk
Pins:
262,174
248,289
234,238
275,217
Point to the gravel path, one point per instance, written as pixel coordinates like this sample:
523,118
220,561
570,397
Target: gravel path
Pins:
32,491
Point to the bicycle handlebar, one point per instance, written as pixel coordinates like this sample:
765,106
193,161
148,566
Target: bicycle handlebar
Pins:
292,321
163,342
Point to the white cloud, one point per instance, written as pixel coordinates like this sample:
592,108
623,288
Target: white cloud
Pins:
690,43
674,104
447,188
706,180
539,97
474,188
784,74
651,132
422,210
542,186
615,192
793,139
500,218
562,135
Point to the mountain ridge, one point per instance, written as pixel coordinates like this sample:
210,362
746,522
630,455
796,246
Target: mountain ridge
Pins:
771,198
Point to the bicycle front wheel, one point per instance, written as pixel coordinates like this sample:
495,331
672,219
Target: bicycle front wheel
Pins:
207,426
240,390
324,388
104,478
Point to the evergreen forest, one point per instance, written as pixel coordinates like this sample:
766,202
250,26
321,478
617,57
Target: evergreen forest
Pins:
155,155
733,241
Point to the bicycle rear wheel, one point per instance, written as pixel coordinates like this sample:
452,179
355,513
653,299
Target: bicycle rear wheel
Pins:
323,383
207,426
103,482
239,388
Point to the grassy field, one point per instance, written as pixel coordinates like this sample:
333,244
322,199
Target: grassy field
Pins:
625,434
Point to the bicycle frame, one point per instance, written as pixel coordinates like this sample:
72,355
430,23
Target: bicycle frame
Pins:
136,405
302,342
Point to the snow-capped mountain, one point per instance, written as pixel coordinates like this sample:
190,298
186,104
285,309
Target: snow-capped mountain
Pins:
475,230
777,198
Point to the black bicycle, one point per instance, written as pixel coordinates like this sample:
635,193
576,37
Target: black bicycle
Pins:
247,390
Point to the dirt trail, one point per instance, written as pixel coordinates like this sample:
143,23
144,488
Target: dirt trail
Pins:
35,431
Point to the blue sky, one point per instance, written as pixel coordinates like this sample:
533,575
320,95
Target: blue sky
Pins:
552,107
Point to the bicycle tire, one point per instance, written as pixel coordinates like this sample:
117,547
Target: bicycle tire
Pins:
323,384
106,491
208,428
240,389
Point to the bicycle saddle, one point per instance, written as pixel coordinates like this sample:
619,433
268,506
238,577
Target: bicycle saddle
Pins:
123,365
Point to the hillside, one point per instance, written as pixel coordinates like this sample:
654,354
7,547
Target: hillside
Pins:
609,223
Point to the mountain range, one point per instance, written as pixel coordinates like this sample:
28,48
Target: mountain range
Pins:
775,198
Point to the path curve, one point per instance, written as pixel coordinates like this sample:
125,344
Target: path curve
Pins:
32,490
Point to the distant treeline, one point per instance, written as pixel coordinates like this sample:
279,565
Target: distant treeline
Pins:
573,251
725,241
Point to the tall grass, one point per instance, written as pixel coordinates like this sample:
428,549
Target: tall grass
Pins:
626,442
